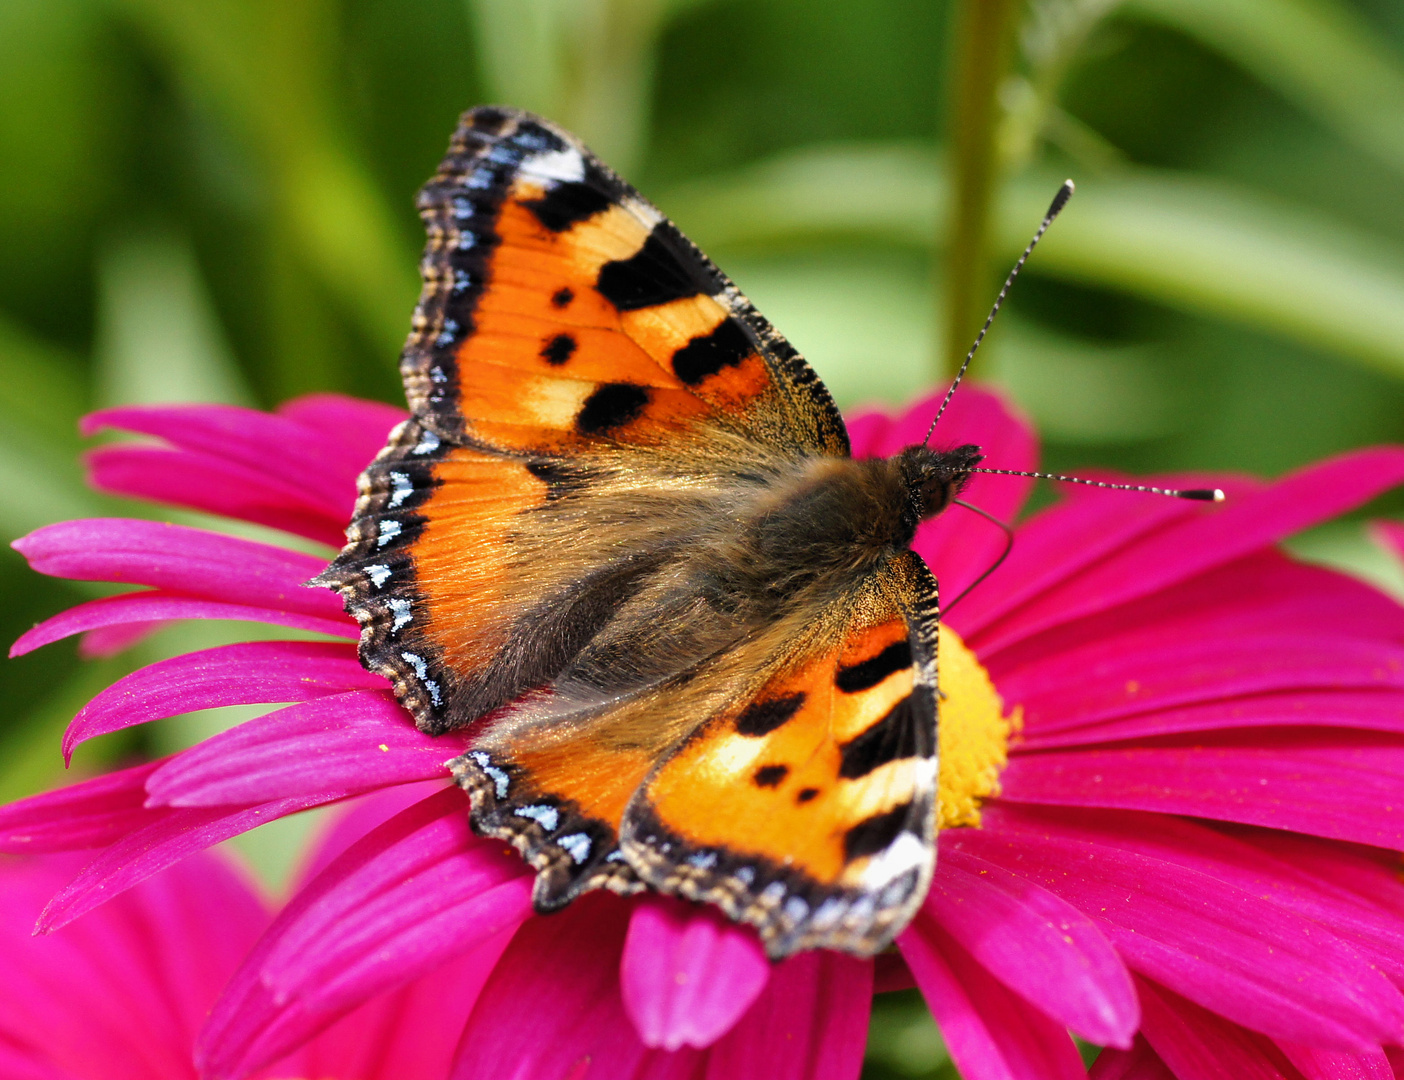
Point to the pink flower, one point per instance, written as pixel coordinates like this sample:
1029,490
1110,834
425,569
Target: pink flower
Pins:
122,994
1190,859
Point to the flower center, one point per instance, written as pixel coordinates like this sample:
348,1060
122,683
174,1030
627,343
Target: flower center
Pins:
974,733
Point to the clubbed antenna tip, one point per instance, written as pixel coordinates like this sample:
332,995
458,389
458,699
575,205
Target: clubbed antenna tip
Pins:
1059,201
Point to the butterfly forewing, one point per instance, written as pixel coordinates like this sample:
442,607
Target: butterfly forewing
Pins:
561,309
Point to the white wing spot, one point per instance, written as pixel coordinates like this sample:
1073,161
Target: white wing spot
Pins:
400,608
548,817
566,166
428,443
421,668
577,845
379,574
403,488
500,780
386,531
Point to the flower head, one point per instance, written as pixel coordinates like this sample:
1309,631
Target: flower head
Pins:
1188,856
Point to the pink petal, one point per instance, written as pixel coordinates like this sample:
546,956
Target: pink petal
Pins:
352,429
1065,540
1209,539
1039,946
1344,785
121,994
1365,875
1198,1045
991,1032
110,640
181,559
89,814
1119,677
169,836
406,1034
551,1008
1251,960
146,607
331,746
302,455
688,972
353,819
1389,535
216,485
414,893
1367,709
1309,877
1316,1064
245,674
1138,1063
1263,592
867,432
811,1023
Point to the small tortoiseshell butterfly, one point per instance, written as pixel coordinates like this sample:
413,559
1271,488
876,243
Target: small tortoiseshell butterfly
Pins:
623,539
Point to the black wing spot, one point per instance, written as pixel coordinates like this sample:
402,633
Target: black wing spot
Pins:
704,356
611,406
558,350
653,275
488,120
770,775
566,204
806,794
866,675
876,833
562,297
897,735
762,717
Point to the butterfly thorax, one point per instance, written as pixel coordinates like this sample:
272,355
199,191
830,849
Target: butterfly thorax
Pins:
834,519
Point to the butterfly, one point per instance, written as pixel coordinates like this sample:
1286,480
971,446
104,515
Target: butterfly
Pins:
623,542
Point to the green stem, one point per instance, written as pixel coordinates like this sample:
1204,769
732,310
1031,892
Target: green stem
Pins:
981,53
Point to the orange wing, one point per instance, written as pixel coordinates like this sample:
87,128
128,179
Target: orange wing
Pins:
561,310
810,810
591,397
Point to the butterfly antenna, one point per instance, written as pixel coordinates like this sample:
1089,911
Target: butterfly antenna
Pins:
1008,547
1060,200
1197,494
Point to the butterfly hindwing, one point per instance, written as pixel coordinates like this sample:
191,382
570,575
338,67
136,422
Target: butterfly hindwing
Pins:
560,309
809,809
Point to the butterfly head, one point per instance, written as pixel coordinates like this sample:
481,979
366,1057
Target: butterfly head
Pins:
935,477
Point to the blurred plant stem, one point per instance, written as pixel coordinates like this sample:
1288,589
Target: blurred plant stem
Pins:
586,64
982,42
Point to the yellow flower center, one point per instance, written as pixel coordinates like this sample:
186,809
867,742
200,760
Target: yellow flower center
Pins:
974,733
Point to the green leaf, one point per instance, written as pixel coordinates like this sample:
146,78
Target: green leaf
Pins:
1318,54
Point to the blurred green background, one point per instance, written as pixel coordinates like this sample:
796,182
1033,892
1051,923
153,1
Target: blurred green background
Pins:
214,202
